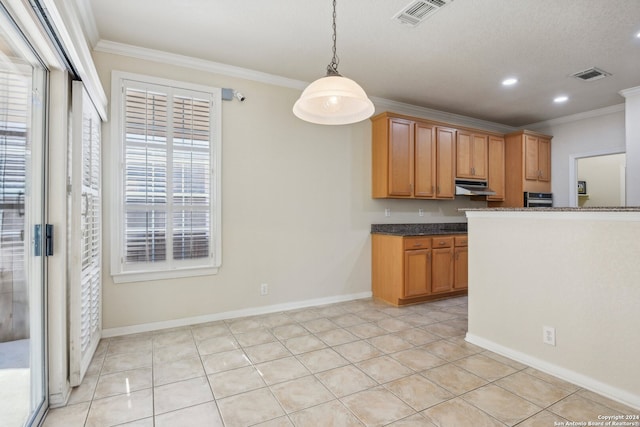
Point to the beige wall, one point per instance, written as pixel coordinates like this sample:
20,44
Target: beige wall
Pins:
296,209
576,272
604,176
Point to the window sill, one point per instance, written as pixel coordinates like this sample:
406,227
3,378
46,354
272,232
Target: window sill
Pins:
147,276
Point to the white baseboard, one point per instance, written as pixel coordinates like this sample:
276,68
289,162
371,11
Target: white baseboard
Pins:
254,311
60,399
576,378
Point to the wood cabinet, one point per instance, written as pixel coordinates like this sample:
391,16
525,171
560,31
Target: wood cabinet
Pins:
461,264
496,176
417,266
537,161
412,158
527,167
442,265
472,157
412,269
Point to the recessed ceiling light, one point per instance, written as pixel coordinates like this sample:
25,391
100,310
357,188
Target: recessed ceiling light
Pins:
510,81
638,35
560,99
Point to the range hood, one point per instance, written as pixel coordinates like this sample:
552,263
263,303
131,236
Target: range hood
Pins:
473,188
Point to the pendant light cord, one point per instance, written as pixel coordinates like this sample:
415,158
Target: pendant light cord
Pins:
332,68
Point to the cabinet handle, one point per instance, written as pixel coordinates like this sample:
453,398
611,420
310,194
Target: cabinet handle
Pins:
473,171
441,243
417,245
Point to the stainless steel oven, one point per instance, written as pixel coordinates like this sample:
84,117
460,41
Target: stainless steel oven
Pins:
537,200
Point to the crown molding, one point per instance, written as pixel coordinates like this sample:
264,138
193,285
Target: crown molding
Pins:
630,92
577,117
382,104
88,21
437,115
116,48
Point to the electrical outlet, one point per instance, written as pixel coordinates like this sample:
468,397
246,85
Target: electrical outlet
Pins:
549,335
387,212
264,289
420,212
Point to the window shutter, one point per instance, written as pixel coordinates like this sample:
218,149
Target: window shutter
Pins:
85,282
167,174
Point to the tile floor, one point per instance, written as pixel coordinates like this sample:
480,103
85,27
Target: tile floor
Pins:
347,364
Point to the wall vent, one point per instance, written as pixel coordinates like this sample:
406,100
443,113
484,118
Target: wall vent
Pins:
419,10
591,74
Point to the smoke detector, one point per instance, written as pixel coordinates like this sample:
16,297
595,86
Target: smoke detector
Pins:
417,11
591,74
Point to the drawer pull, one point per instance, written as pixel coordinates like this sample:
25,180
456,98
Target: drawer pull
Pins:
442,243
417,245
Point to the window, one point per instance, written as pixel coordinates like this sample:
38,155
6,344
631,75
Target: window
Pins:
168,155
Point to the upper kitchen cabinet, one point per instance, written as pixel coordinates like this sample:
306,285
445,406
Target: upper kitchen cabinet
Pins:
527,167
412,158
496,174
472,155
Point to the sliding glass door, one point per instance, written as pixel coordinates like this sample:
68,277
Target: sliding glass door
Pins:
22,244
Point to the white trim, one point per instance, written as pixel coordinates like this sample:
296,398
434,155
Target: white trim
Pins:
88,21
254,311
382,104
67,24
145,276
576,117
196,64
115,163
565,374
627,93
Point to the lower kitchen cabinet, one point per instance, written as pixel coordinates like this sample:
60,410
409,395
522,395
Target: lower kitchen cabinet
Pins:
461,263
442,265
412,269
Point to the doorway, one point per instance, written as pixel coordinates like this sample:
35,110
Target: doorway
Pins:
22,190
602,179
598,180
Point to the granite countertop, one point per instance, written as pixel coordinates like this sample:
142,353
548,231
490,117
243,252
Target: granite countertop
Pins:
420,229
559,209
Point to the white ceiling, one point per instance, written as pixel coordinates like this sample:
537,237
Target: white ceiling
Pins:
454,61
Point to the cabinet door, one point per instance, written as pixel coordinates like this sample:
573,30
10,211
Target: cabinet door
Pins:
544,159
400,157
531,168
445,163
461,269
496,168
464,155
417,272
441,270
425,161
479,156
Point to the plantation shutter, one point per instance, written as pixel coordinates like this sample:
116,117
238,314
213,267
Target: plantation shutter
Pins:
167,176
13,145
85,282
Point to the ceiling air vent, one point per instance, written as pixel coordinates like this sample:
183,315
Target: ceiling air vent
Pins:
419,10
591,74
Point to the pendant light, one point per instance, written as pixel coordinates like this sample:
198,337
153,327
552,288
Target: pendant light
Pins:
334,99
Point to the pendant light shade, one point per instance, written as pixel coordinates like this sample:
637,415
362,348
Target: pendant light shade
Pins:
334,99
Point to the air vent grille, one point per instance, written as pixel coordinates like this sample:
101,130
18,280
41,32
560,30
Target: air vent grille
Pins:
419,10
591,74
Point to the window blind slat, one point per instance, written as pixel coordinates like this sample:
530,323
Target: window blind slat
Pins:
167,175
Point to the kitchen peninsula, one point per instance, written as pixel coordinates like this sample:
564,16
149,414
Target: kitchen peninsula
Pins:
573,273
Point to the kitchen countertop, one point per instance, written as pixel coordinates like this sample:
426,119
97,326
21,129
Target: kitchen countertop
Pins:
420,229
564,209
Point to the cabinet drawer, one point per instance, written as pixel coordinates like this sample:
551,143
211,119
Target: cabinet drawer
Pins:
442,242
417,243
461,240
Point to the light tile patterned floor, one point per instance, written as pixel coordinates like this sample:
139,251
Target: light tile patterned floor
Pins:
347,364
